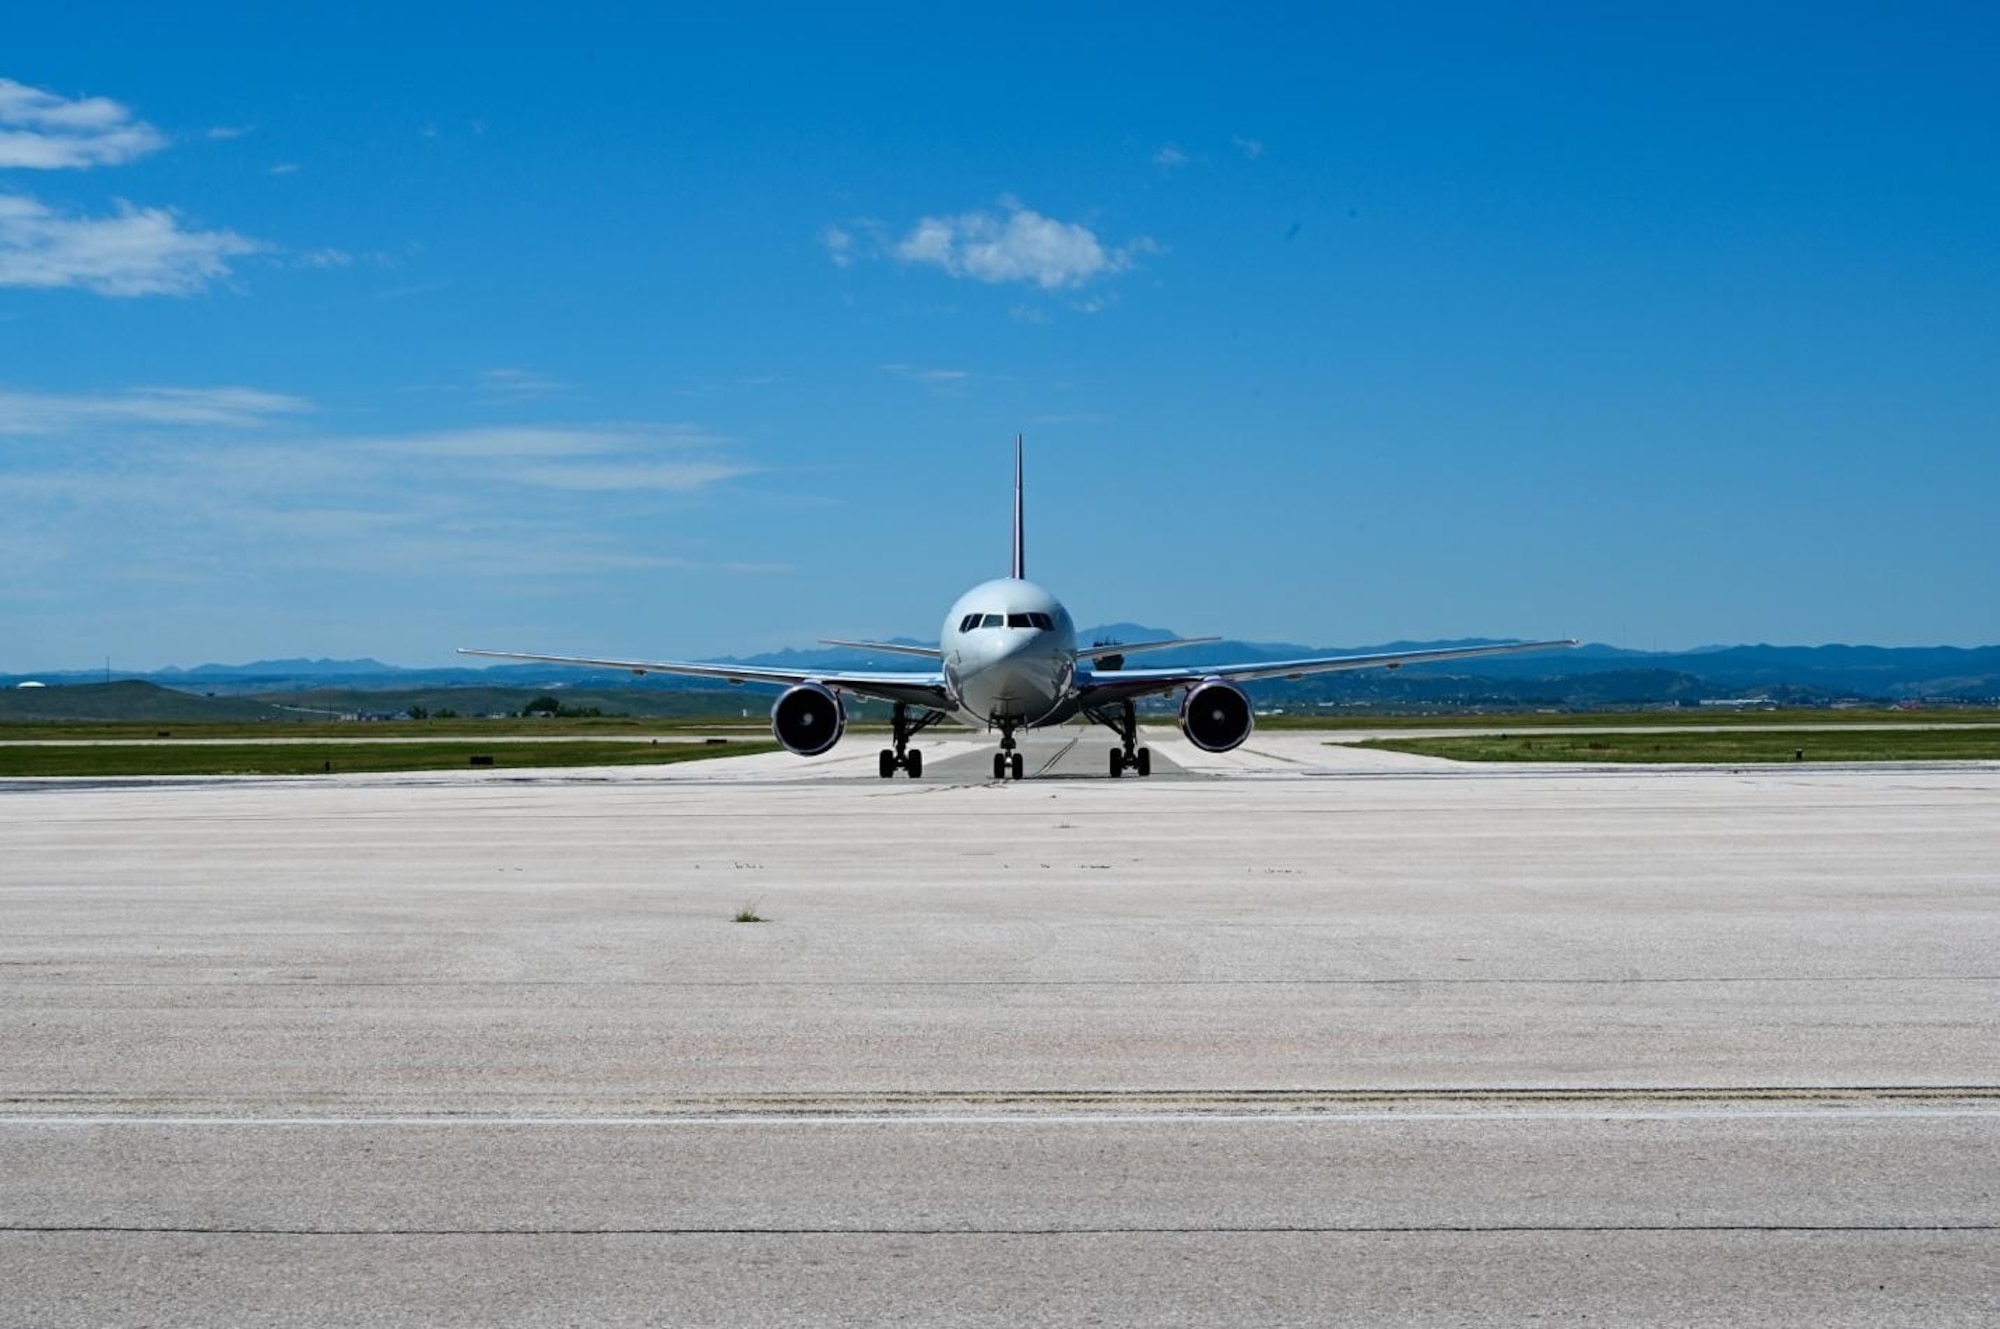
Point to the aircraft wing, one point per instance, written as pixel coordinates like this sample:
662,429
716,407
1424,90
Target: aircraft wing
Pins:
886,647
1118,684
916,687
1133,648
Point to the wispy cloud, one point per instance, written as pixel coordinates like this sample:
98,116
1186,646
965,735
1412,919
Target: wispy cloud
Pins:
581,459
936,378
1249,147
1169,156
673,477
223,133
236,408
542,441
135,251
1020,245
506,387
839,242
41,131
200,486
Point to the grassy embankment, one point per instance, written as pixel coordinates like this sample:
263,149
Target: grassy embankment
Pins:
1675,719
607,728
105,760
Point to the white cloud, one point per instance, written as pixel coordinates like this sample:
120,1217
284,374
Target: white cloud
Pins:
670,458
934,377
575,458
507,386
178,486
543,441
673,477
1169,157
1249,147
41,131
1022,246
326,258
223,133
285,168
839,246
136,251
50,413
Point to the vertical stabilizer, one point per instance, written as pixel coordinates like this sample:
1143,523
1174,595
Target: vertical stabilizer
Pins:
1020,571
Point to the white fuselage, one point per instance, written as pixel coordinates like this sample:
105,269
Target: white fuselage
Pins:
1009,652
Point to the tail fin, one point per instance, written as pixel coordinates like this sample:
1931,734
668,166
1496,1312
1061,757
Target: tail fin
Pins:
1020,571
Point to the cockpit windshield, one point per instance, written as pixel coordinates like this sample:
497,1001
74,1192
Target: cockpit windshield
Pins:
1034,619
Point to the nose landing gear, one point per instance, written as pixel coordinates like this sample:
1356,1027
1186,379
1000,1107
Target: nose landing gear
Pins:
1007,760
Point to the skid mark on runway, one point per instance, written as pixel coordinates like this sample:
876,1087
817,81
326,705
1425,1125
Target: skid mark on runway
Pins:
1042,1107
1056,759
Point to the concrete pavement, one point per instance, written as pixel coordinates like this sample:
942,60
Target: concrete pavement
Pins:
1292,1035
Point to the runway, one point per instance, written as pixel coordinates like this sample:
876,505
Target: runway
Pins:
1299,1034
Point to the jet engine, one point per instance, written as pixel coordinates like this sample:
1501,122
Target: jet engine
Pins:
1215,715
808,719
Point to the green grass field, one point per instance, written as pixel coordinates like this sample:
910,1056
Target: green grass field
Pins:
106,760
1707,718
1861,743
488,730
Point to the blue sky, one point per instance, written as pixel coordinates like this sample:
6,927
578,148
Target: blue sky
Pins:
677,330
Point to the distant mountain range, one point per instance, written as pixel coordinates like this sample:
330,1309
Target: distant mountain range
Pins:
1593,675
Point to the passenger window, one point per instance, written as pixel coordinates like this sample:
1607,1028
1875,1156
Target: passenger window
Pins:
993,621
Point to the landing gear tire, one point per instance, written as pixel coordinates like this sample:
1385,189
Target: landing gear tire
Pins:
1123,721
1019,765
903,757
999,765
1140,761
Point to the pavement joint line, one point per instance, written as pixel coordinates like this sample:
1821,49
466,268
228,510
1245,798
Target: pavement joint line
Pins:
1242,1096
1274,1229
1433,1093
1302,1117
919,983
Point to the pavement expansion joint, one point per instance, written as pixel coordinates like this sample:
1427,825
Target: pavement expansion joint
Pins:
969,1230
1024,1105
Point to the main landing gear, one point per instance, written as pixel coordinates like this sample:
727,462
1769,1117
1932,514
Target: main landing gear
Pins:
903,757
1007,760
1128,756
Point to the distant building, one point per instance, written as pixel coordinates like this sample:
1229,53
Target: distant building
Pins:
31,684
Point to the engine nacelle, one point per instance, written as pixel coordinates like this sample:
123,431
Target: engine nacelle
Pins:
808,719
1216,716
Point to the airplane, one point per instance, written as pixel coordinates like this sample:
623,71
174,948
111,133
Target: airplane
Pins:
1007,659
